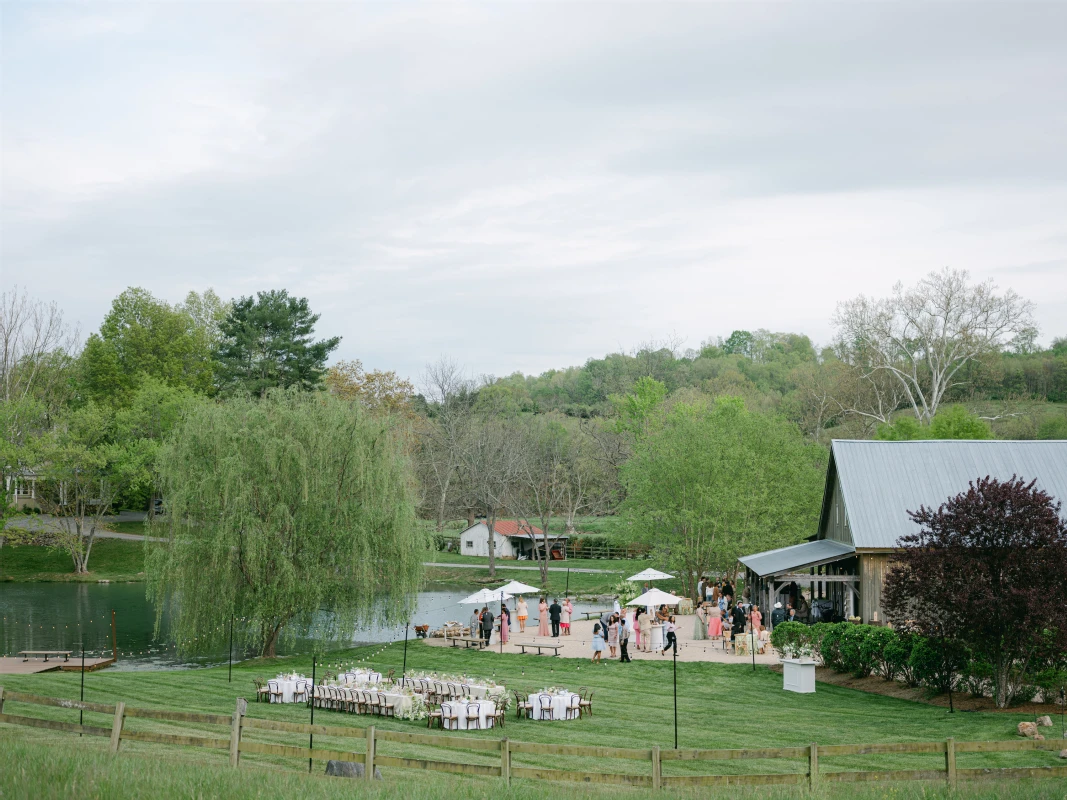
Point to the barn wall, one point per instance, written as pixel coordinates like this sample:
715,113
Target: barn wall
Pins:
837,527
873,568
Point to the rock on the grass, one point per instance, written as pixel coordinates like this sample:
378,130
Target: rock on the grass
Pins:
1045,721
349,769
1063,753
1028,729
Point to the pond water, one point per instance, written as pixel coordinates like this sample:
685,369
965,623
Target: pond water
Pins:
69,616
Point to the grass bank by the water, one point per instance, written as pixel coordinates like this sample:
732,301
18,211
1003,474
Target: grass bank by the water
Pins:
719,706
475,569
111,559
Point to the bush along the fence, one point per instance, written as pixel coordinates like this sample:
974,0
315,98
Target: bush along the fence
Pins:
939,665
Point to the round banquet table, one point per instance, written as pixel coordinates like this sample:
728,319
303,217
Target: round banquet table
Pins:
486,709
479,691
361,676
656,638
560,703
289,686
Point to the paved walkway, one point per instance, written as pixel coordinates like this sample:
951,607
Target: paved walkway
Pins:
579,645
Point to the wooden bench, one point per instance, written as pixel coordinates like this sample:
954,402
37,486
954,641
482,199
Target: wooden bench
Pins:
46,654
594,614
553,647
468,641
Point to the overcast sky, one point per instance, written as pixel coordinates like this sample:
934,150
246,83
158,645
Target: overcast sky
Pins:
525,186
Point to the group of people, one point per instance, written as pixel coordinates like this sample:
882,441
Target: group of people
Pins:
612,632
553,620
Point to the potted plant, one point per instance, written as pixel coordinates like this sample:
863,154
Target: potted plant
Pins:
792,640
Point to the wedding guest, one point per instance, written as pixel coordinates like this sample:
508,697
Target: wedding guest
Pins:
476,622
555,612
755,618
700,624
505,624
638,613
672,638
624,639
487,624
565,618
646,633
715,621
613,634
542,618
598,643
520,613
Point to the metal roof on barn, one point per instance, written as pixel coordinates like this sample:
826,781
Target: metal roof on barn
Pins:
882,481
799,556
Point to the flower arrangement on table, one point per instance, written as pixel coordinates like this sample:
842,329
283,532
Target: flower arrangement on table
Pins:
418,710
558,691
290,676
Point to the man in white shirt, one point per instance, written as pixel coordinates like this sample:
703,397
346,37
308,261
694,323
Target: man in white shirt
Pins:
624,640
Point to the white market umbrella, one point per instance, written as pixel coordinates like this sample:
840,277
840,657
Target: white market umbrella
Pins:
655,597
514,587
649,575
483,597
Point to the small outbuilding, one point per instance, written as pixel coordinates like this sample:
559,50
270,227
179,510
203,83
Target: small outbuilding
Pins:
870,488
511,539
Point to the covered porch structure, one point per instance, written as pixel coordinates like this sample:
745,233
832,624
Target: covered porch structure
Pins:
829,569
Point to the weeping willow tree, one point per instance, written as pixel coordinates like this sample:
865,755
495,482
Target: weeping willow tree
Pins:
292,512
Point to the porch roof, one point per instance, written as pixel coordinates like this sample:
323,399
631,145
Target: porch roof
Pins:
799,556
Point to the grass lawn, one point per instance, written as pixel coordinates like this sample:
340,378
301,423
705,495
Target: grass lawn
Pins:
128,526
719,706
111,559
610,573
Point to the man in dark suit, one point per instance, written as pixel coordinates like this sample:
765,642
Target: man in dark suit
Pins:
778,615
737,618
487,624
554,613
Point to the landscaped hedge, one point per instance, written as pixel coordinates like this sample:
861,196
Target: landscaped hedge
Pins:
863,650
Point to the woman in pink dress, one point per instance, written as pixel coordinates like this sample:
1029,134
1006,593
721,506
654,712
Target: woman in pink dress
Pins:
756,618
542,614
714,622
505,617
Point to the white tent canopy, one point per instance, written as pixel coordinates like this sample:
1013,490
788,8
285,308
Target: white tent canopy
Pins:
650,575
655,597
514,587
483,597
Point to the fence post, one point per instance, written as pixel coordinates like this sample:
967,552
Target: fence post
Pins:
368,768
813,766
505,761
1,699
950,762
116,726
657,766
235,731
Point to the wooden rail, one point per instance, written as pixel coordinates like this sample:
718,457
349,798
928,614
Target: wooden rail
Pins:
806,759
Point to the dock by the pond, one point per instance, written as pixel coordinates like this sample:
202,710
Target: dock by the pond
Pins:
17,666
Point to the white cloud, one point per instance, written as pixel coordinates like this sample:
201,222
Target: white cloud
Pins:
526,186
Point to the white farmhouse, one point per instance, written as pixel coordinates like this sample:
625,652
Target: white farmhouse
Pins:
511,539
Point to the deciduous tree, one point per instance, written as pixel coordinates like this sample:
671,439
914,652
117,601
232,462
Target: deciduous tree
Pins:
987,569
290,509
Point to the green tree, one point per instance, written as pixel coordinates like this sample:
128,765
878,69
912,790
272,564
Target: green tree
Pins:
267,343
716,481
80,473
636,410
144,336
292,509
955,422
904,429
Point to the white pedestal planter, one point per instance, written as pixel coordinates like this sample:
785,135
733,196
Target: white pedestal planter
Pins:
798,675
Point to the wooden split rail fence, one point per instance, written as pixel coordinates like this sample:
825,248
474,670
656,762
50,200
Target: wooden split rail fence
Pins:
809,755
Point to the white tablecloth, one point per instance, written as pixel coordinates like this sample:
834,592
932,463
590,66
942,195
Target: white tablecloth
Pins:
361,676
656,639
486,709
478,691
288,688
560,703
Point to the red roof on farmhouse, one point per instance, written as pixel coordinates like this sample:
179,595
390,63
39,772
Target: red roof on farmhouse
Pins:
510,527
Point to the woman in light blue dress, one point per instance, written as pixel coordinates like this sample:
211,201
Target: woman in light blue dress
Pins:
598,643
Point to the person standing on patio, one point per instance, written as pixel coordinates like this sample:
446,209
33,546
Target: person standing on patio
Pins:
624,640
598,643
613,634
672,638
555,612
755,619
521,612
715,621
565,618
646,632
542,618
700,626
638,613
505,624
487,624
476,622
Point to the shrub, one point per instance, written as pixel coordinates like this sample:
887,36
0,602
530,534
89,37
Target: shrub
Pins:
977,677
936,663
860,649
817,632
874,646
897,657
791,639
830,646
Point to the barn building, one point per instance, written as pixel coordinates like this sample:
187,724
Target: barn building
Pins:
511,539
870,488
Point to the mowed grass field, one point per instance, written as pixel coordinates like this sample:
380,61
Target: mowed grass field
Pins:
719,706
110,559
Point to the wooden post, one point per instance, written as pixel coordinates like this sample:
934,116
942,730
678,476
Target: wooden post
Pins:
657,767
505,761
116,726
1,699
813,766
114,639
368,769
235,731
950,762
